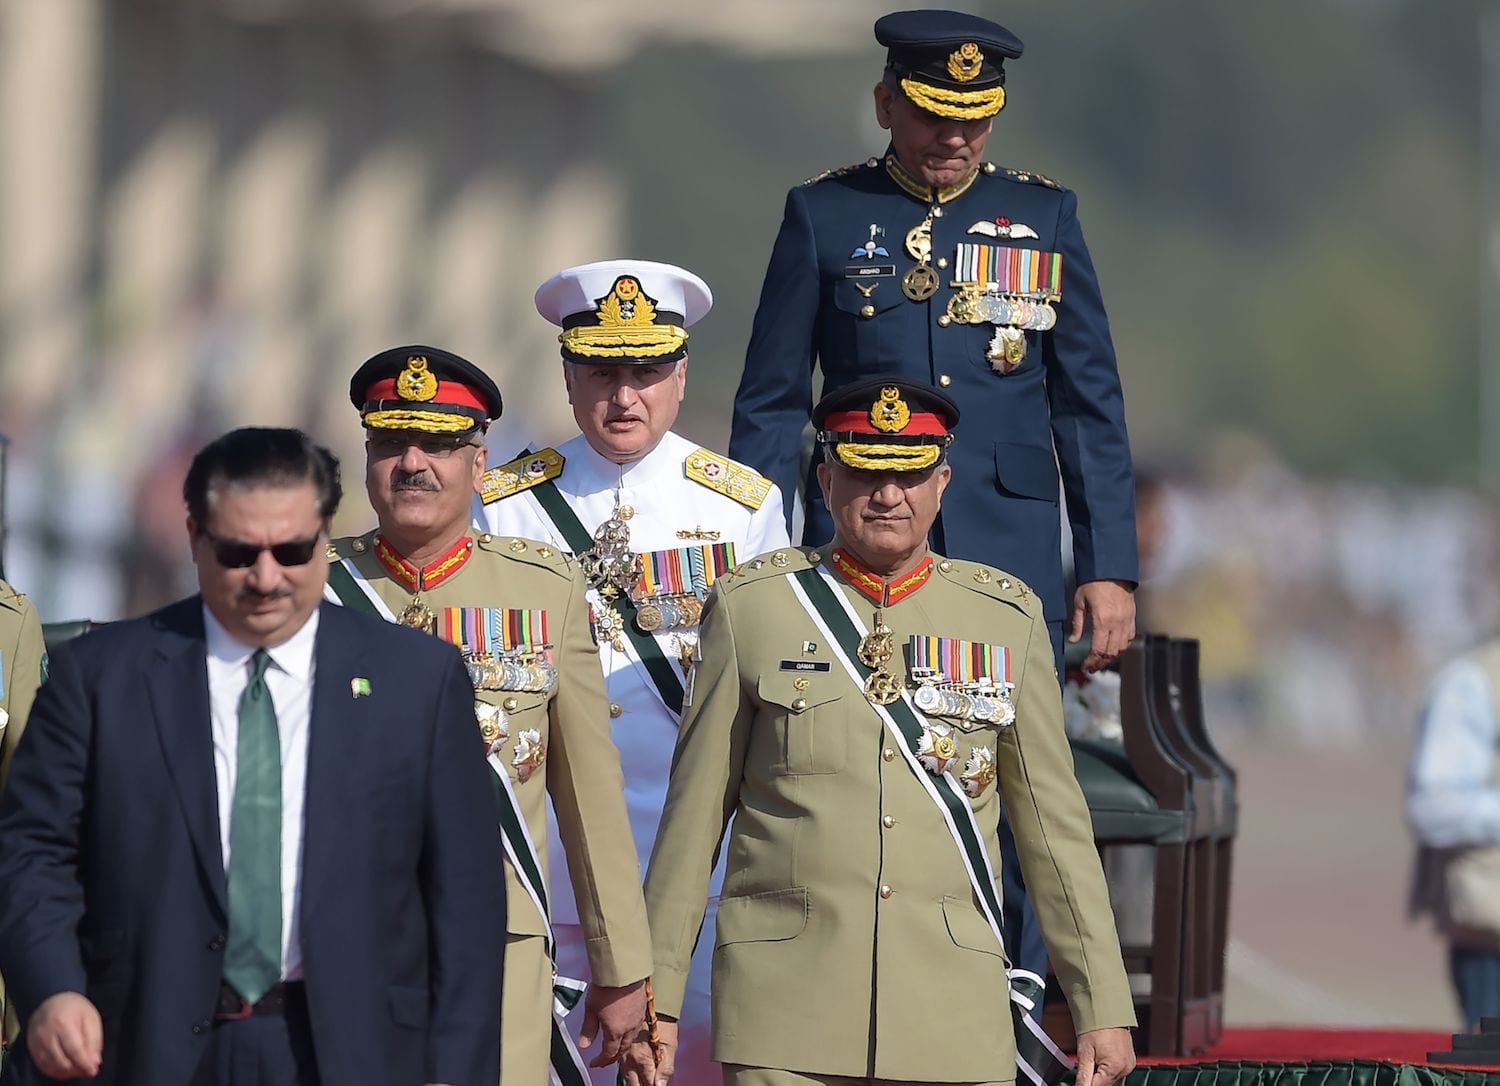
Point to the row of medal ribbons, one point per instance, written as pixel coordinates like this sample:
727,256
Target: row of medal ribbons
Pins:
675,582
964,680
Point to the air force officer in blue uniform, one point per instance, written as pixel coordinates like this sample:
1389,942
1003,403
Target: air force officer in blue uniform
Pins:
935,264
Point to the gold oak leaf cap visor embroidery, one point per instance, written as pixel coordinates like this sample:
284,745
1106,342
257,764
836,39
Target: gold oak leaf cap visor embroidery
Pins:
426,389
886,424
624,312
950,63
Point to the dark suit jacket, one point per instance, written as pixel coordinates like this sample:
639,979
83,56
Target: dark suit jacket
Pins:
112,877
822,306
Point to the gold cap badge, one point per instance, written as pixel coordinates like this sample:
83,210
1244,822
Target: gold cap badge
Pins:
965,61
416,382
889,414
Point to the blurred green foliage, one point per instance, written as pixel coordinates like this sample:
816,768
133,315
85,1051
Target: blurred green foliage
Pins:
1282,199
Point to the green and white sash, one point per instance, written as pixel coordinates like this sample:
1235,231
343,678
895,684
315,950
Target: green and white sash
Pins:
1037,1057
348,587
578,538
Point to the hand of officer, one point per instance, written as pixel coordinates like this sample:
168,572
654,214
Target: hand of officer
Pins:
1108,608
619,1012
1105,1056
65,1037
643,1066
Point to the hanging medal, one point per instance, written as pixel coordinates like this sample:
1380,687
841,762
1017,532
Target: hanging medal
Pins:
875,650
920,282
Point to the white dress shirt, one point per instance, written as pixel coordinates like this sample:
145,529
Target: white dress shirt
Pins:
290,681
1453,800
664,502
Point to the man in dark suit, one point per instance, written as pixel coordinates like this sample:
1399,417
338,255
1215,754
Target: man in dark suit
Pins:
931,263
249,840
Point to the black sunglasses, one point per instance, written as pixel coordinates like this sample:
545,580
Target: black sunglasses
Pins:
233,554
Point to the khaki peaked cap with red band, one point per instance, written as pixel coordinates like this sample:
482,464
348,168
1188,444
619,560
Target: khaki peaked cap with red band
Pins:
886,424
425,389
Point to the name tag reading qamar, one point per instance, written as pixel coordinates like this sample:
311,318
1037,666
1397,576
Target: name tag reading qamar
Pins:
805,665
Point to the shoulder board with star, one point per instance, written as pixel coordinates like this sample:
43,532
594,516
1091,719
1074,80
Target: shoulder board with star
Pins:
351,546
842,171
530,551
521,474
988,581
1029,177
772,564
729,477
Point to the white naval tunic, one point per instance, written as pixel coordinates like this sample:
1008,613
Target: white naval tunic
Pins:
665,502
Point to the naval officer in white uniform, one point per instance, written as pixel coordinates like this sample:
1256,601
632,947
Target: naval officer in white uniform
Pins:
655,520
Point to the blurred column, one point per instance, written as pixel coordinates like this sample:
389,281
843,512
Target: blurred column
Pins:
49,116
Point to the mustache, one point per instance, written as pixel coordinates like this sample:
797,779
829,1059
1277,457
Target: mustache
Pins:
248,593
413,480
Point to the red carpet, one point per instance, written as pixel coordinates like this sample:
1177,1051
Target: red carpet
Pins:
1295,1045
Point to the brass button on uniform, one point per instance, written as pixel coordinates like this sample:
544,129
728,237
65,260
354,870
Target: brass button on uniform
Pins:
485,538
510,705
814,556
989,167
867,311
944,321
359,546
945,565
886,892
887,821
945,380
626,512
517,545
888,754
798,704
615,710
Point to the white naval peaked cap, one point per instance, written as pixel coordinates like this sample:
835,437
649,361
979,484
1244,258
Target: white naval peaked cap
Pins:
624,311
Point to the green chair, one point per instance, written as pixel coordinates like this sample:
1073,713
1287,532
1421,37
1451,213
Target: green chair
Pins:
55,633
1142,800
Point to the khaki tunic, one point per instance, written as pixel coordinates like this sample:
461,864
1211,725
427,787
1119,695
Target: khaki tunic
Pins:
22,655
580,771
23,652
849,939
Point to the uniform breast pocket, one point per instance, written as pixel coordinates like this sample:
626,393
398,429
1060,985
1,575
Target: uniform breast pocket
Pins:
809,722
871,305
1026,471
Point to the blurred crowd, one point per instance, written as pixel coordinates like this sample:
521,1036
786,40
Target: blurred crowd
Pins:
1319,620
1323,606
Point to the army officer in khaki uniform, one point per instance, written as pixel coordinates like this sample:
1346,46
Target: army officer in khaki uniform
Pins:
22,657
862,710
516,609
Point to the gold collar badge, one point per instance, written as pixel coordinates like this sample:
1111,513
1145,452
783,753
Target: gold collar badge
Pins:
416,382
965,61
889,414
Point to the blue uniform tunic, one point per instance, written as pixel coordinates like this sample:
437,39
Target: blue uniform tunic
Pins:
832,298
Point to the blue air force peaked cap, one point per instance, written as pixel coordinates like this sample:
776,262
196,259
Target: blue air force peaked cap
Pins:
950,63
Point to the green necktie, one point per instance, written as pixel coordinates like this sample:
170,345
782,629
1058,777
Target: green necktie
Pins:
252,958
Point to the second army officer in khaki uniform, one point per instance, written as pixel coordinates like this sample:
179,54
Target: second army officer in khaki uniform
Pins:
22,666
517,610
862,710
